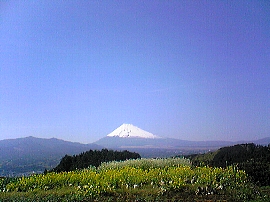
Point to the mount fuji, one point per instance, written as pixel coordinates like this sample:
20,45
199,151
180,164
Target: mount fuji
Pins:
130,131
130,137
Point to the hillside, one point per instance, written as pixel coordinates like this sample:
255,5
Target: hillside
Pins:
30,154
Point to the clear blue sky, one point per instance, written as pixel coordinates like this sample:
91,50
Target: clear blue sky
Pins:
193,70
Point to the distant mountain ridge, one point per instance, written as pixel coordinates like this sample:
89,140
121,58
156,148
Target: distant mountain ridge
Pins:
40,146
25,155
169,143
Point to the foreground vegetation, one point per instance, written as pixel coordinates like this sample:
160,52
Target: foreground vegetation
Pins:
135,180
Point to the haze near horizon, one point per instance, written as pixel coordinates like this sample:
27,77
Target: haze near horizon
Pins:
192,70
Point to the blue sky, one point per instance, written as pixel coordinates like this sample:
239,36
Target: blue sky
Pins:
193,70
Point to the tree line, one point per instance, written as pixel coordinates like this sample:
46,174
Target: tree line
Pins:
92,158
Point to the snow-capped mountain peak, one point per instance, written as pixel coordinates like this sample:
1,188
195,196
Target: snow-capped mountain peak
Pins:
130,131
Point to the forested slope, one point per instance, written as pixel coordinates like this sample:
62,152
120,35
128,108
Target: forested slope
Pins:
93,158
254,159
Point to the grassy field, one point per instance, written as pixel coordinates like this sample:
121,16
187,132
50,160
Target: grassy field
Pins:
136,180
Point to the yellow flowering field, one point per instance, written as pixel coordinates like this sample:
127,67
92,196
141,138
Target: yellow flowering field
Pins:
158,176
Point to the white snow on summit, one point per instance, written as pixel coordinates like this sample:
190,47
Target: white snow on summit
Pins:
130,131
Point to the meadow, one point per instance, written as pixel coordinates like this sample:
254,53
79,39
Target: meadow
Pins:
171,179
